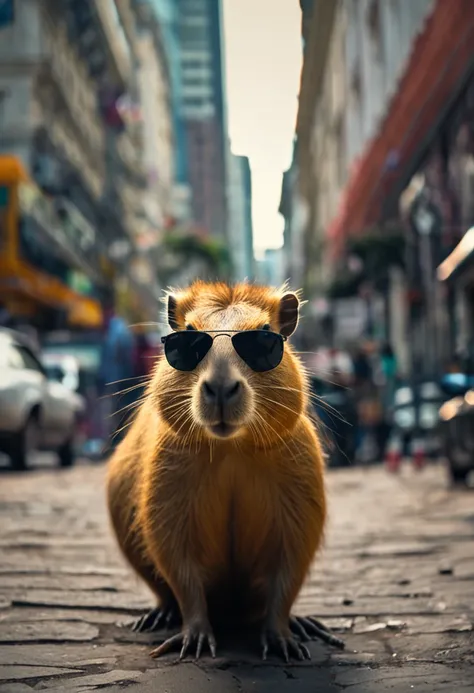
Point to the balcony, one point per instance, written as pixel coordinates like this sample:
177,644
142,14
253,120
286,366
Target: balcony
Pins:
74,90
133,167
116,39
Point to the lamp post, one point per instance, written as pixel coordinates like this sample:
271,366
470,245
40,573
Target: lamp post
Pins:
426,224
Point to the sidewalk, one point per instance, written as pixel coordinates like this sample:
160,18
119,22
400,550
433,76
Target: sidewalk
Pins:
396,579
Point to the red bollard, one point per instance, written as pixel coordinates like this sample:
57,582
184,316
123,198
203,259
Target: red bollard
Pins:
393,456
418,455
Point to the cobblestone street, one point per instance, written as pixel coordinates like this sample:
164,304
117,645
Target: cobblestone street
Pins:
396,579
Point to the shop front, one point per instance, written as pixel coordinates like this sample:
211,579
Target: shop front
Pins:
438,208
456,272
49,265
418,172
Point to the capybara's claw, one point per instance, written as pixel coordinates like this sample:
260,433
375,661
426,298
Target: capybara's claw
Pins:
165,616
282,645
194,634
309,628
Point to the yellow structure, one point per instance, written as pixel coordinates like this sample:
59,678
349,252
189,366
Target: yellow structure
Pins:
24,287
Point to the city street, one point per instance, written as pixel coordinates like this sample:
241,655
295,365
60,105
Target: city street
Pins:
396,579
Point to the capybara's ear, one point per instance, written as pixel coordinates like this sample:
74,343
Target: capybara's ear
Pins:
172,312
288,315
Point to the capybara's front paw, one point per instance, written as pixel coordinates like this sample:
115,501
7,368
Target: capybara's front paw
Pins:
165,616
198,633
309,628
282,643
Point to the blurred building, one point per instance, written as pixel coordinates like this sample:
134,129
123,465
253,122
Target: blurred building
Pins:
72,163
385,142
270,268
240,218
164,14
294,209
158,152
204,110
356,54
293,205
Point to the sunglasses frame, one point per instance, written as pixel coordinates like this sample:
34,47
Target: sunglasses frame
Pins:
224,333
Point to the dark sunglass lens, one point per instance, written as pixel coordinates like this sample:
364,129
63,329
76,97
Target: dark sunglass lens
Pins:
185,350
261,350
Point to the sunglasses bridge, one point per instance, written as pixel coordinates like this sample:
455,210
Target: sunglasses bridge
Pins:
225,333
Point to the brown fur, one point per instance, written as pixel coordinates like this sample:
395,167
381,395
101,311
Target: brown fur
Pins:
229,526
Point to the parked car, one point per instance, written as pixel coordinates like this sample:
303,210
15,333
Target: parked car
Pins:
457,425
37,411
415,421
62,368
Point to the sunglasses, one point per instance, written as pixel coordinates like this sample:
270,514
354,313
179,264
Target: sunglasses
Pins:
261,350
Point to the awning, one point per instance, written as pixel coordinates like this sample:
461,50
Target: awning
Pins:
20,281
441,59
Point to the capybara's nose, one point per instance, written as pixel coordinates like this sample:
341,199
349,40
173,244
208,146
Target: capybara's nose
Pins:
221,392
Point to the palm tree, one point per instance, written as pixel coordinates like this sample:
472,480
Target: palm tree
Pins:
187,254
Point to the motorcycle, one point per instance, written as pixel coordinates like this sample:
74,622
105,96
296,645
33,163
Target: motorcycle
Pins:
456,425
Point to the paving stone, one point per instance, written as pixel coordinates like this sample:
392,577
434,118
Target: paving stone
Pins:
417,678
16,673
399,550
378,582
61,582
439,624
371,606
47,631
96,680
108,601
83,615
75,656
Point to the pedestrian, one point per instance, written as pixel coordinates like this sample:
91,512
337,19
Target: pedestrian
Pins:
116,376
388,372
367,411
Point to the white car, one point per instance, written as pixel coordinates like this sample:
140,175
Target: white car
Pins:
36,412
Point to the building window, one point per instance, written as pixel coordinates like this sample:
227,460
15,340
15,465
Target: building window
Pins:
375,34
193,7
196,102
195,59
195,82
7,13
190,34
356,87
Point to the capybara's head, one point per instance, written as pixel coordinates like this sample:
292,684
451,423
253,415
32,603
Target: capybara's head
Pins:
228,371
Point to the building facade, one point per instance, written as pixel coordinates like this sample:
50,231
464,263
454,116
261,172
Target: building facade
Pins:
204,111
270,268
165,14
355,55
404,153
240,218
72,167
158,154
294,209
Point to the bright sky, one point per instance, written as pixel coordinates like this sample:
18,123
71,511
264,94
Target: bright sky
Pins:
263,63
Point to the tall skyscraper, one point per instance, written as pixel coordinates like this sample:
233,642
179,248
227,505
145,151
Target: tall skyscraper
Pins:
204,110
166,15
240,218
